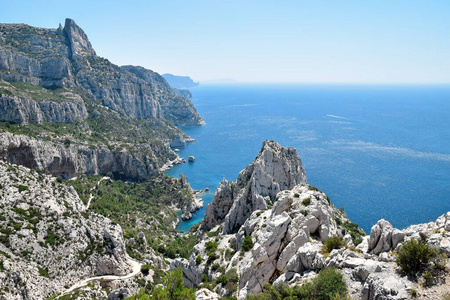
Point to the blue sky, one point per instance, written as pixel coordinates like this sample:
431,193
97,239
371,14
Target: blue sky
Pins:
404,41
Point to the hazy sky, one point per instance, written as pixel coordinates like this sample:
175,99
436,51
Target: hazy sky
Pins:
262,41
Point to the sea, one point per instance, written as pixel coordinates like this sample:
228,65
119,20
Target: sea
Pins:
378,151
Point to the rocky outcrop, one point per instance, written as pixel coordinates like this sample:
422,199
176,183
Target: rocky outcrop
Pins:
64,58
179,141
384,238
73,160
79,44
48,240
205,294
284,243
193,205
276,168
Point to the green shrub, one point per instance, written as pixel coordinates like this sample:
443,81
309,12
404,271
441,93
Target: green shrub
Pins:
51,238
428,279
198,260
212,256
215,266
211,245
304,212
172,288
22,188
354,230
296,195
205,278
223,279
247,244
67,143
44,272
306,201
328,285
145,269
332,243
414,256
311,188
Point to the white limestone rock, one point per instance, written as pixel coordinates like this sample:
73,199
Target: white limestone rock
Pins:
57,234
276,168
205,294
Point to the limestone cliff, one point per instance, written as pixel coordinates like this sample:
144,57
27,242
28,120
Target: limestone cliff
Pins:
48,240
73,160
115,119
275,169
64,58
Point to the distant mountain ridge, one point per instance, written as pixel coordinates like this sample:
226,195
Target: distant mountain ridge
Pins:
180,82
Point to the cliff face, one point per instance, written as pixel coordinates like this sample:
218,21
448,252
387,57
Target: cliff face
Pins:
275,169
75,159
117,119
48,239
64,58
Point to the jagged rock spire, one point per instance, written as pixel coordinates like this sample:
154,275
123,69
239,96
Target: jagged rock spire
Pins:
275,169
78,40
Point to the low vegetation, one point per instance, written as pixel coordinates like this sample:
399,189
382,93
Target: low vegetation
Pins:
172,288
141,207
247,243
306,202
328,285
416,256
332,243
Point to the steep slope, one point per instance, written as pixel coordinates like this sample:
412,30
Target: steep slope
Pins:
295,235
64,58
275,169
73,112
47,238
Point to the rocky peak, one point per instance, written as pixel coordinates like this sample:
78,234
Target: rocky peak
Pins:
275,169
78,40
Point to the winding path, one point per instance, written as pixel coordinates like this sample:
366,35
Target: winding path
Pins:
136,269
90,194
136,266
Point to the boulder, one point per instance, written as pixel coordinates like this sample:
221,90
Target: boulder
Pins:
205,294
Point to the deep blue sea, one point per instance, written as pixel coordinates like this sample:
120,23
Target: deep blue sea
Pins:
377,151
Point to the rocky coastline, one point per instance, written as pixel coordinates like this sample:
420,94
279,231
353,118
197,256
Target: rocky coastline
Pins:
289,233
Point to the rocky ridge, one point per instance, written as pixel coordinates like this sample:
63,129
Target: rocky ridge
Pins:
64,58
56,92
287,245
275,169
48,240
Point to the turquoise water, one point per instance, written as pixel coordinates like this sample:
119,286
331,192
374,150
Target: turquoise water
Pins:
377,151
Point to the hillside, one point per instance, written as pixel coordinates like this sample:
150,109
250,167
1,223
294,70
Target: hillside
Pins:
72,112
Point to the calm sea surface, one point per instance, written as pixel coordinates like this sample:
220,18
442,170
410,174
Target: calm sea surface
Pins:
377,151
